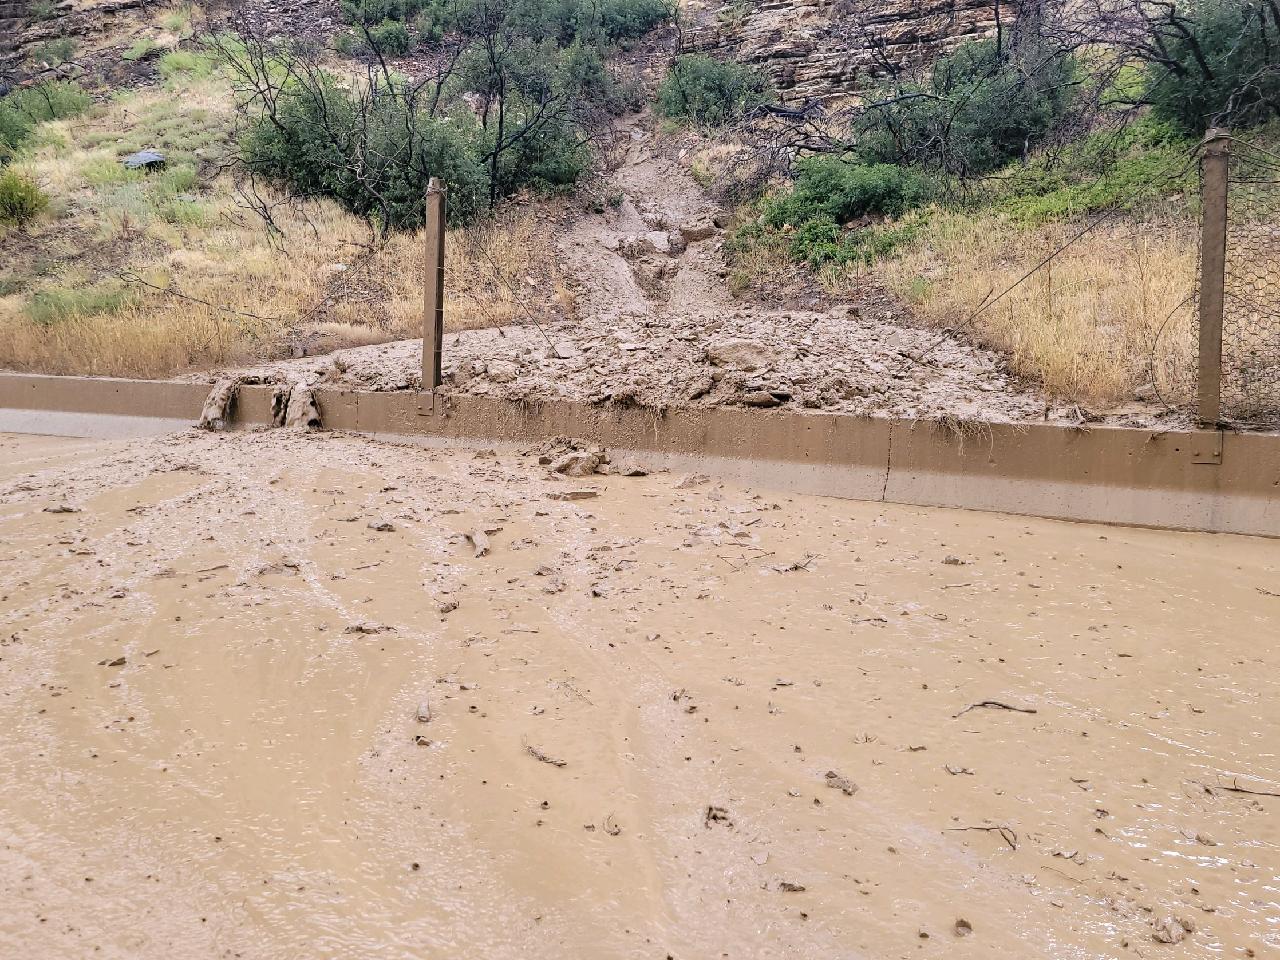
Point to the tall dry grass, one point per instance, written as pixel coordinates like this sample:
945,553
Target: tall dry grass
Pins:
125,278
1107,316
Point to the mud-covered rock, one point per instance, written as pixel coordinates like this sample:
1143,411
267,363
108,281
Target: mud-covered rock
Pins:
739,354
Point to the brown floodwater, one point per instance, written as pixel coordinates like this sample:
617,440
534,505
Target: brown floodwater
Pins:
680,719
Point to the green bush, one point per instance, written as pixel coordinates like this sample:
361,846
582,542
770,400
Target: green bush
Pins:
984,105
185,62
53,52
140,50
1222,67
21,200
22,110
628,19
709,91
1142,163
836,191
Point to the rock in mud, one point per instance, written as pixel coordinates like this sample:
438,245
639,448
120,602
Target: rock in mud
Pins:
1172,929
841,783
628,467
573,495
502,371
216,412
61,508
739,354
693,480
577,463
382,526
697,230
760,398
366,627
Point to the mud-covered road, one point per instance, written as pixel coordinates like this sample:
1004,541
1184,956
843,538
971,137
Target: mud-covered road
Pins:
263,697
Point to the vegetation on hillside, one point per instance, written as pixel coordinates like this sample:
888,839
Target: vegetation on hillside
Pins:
519,92
951,184
127,273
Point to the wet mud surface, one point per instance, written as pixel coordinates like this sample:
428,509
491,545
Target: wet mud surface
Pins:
303,695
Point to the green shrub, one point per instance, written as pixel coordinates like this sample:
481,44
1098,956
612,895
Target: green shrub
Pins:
21,200
185,63
390,38
42,9
629,19
709,91
103,171
56,304
1142,163
22,110
178,21
984,105
53,52
1222,68
140,50
837,191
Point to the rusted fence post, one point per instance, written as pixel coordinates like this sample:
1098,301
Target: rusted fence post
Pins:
433,315
1214,157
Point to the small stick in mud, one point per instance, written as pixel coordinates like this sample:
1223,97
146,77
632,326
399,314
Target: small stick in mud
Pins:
994,705
1236,788
1006,834
545,758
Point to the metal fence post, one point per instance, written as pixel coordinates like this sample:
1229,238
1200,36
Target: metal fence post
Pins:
433,315
1214,157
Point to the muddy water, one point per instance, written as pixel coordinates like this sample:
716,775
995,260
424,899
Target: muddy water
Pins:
253,779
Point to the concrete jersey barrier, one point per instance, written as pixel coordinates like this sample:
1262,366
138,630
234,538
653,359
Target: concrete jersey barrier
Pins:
1198,480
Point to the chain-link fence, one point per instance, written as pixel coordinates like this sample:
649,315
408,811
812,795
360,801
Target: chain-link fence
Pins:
1251,288
1239,292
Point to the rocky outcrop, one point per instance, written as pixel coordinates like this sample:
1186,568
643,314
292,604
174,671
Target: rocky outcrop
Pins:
13,18
824,49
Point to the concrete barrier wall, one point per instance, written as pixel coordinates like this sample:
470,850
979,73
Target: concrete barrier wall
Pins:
1182,480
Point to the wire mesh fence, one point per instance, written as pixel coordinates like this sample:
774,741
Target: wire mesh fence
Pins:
1250,379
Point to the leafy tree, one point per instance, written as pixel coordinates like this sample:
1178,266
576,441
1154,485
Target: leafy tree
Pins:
983,105
1215,63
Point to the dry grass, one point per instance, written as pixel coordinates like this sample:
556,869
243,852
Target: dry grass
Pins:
132,276
1089,325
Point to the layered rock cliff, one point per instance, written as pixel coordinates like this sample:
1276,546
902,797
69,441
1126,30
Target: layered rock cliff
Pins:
824,49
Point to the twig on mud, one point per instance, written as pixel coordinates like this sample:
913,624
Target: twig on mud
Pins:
545,758
797,565
1006,833
1236,788
994,705
746,561
1062,874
